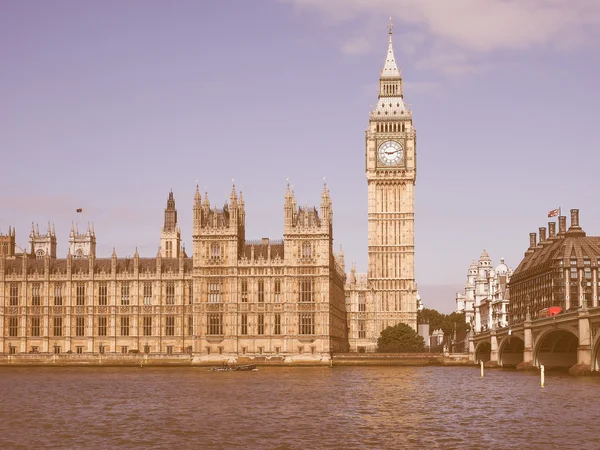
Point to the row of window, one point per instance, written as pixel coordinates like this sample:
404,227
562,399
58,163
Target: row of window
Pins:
57,349
214,325
306,293
80,294
57,326
260,324
391,127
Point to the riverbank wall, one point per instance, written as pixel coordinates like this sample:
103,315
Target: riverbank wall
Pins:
161,360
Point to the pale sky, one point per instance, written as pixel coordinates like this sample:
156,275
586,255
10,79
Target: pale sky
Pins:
107,105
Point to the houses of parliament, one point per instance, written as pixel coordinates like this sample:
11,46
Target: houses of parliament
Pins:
232,296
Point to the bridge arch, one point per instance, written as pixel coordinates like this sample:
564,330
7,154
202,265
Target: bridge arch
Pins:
596,352
510,351
556,349
483,352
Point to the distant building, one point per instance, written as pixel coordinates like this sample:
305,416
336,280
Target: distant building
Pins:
436,338
420,306
558,270
486,297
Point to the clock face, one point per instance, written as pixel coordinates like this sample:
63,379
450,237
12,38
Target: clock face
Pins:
391,153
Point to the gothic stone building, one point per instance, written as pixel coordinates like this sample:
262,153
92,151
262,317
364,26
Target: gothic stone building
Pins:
391,168
560,269
233,297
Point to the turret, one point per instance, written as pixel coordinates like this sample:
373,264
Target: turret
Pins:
42,244
113,263
326,213
242,209
206,205
136,262
197,211
7,243
233,209
82,245
170,236
288,208
341,257
390,79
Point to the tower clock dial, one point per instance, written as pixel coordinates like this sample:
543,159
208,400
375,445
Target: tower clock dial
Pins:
391,153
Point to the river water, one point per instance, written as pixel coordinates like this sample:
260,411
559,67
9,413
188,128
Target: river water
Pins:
296,408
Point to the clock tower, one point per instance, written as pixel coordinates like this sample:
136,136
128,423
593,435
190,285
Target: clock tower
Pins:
391,169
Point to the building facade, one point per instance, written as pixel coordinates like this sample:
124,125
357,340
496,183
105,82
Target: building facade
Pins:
232,297
486,297
391,171
560,269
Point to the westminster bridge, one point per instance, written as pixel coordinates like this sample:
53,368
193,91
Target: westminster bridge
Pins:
568,340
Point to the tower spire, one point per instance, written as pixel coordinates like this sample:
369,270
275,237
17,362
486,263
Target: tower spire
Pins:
390,69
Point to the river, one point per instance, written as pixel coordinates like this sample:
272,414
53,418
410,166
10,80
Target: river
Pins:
296,408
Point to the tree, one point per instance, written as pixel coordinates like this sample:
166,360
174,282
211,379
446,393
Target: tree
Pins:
400,338
448,323
434,318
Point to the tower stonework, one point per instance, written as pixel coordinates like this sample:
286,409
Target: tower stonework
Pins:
82,245
42,245
391,174
170,235
7,243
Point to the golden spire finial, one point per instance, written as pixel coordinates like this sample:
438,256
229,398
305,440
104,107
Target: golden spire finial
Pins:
390,26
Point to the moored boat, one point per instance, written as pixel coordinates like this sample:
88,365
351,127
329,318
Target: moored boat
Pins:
233,368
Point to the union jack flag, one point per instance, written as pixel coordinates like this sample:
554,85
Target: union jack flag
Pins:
554,212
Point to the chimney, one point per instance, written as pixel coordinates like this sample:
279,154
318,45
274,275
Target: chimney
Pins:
575,230
574,218
551,229
542,234
532,237
562,225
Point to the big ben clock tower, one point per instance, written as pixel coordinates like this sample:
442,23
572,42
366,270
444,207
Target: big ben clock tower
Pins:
391,167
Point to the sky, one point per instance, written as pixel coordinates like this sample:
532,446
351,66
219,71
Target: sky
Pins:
106,106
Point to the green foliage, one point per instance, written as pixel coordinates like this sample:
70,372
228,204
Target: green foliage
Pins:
400,338
448,323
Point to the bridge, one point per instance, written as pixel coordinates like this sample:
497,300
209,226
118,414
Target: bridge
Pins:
569,340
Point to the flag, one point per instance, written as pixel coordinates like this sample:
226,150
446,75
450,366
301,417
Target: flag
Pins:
80,210
554,212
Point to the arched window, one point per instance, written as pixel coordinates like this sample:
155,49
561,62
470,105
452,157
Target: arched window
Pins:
306,250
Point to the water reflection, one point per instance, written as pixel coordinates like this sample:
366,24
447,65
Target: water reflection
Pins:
370,407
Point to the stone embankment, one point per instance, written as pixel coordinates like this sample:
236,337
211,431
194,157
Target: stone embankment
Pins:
157,360
400,359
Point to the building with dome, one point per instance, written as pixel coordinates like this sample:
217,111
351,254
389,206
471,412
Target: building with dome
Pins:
486,297
560,270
